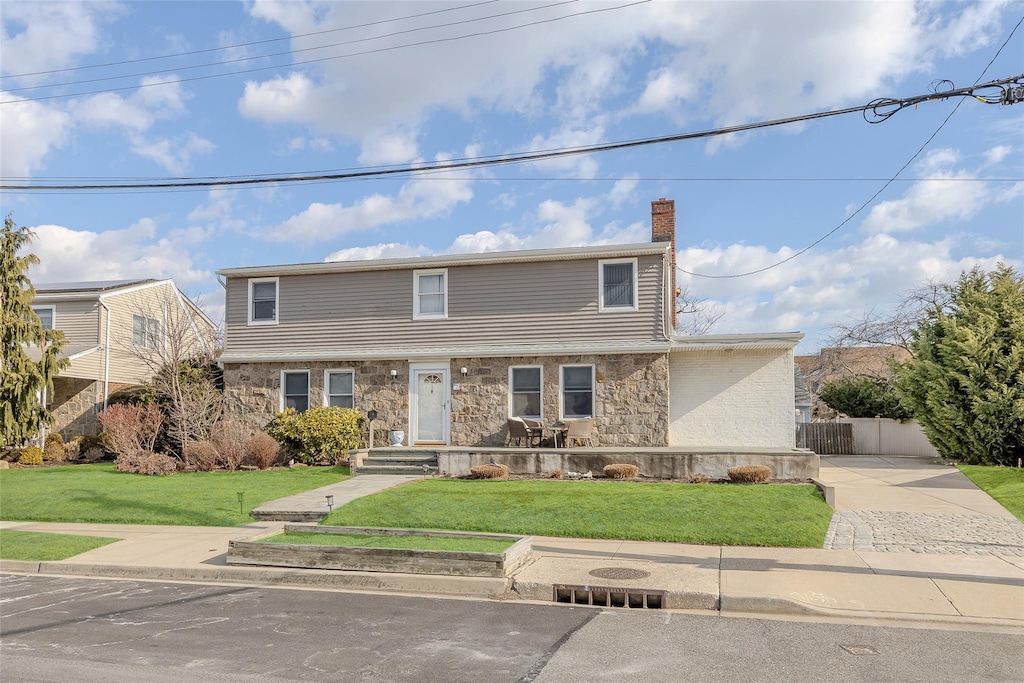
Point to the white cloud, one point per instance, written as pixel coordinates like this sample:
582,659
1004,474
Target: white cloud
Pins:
136,251
388,147
378,251
28,132
173,155
218,210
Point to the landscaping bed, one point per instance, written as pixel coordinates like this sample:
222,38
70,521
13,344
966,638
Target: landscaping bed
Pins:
407,551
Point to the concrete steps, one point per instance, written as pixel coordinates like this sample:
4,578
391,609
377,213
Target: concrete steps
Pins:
396,461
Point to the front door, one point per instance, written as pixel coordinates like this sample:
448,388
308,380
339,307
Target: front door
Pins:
428,394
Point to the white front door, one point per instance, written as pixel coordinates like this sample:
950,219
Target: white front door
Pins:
428,404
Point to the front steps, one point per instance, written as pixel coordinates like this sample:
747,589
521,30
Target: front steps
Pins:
399,461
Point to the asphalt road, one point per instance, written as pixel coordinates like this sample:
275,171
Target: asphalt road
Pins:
70,629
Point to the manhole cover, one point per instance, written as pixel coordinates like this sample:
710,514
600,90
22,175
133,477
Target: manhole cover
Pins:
620,573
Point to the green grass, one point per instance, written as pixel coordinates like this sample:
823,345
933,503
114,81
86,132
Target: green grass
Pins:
1005,484
101,494
40,547
467,545
726,514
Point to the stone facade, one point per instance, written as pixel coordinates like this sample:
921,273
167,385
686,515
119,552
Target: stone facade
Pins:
631,402
76,405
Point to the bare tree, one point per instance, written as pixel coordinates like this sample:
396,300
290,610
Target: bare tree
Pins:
695,316
895,328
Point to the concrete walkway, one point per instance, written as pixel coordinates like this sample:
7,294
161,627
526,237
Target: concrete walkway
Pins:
313,504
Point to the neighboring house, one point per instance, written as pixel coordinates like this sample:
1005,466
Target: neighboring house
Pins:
845,361
110,328
447,348
801,396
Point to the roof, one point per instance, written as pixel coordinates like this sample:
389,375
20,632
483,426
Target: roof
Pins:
763,341
93,286
70,351
563,254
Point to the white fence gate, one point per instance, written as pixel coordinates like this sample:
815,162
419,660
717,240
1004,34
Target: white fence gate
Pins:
882,436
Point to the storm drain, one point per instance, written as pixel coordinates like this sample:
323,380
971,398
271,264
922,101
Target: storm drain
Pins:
635,598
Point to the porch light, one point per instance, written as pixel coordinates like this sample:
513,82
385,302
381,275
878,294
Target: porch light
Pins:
465,371
394,374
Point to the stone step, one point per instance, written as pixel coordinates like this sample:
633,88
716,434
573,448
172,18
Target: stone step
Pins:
397,462
395,469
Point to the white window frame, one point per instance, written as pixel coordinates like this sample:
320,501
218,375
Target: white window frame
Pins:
309,389
53,314
147,333
277,300
561,390
601,307
511,389
416,274
327,384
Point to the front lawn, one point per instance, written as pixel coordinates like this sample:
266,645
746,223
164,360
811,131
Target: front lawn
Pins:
720,514
1004,484
462,545
101,494
42,547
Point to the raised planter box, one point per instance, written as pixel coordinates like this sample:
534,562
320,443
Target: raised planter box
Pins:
399,560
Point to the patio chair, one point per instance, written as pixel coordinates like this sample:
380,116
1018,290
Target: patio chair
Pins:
519,432
536,428
580,430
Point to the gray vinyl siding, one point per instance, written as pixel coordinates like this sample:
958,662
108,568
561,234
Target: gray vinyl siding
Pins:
79,320
89,366
548,301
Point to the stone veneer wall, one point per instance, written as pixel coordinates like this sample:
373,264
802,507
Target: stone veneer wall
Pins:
631,395
75,405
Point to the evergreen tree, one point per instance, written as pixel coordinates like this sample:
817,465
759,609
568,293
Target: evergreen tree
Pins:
22,380
965,384
864,396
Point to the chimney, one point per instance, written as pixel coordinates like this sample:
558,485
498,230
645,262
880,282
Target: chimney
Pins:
663,229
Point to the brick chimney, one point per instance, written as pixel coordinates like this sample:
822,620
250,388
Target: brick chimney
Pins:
663,229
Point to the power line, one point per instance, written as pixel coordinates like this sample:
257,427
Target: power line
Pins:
434,41
287,52
524,157
882,189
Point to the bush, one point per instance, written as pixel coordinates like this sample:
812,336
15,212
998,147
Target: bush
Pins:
94,455
697,478
489,471
621,471
89,441
31,456
319,435
264,449
53,450
202,455
558,474
229,437
157,464
131,429
72,449
750,474
129,462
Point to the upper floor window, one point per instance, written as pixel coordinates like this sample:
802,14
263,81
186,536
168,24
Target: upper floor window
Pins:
263,298
577,391
146,332
525,392
295,390
618,285
339,388
430,293
46,315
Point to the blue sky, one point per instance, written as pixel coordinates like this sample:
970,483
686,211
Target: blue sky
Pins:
631,71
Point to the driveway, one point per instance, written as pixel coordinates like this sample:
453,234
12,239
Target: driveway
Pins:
894,503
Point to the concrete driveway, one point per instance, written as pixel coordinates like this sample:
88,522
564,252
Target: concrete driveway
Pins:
916,504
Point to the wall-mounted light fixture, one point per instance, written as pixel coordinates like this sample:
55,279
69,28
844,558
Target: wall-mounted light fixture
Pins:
394,374
465,371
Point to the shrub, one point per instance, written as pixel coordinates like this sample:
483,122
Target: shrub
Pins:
264,449
129,462
750,474
94,455
157,464
88,442
53,449
131,429
202,455
319,434
697,478
489,471
31,456
72,449
558,474
229,437
621,471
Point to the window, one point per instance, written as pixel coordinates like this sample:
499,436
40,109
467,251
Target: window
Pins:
577,391
430,294
46,315
263,301
618,285
339,388
295,390
525,392
146,332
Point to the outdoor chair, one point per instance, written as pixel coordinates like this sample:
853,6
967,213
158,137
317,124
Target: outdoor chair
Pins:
580,430
519,432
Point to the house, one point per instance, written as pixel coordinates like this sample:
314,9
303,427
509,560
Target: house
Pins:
801,396
833,363
447,348
115,331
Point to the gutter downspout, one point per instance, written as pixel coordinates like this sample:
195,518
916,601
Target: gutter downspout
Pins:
106,355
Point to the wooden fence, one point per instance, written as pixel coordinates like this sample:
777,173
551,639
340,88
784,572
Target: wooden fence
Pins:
825,437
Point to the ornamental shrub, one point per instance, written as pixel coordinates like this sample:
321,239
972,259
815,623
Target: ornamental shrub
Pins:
489,471
202,455
621,471
157,464
750,474
319,435
264,449
31,456
72,449
230,438
54,448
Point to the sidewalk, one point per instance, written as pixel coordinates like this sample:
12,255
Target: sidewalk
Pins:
862,583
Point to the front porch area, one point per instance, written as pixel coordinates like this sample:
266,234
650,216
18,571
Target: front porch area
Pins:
654,462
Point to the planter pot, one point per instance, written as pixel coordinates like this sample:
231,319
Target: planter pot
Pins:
397,437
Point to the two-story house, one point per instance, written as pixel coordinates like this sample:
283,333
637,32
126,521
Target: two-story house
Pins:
447,348
116,332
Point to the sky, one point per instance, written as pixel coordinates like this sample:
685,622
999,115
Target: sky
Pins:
115,91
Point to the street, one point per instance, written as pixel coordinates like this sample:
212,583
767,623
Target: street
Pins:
71,629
